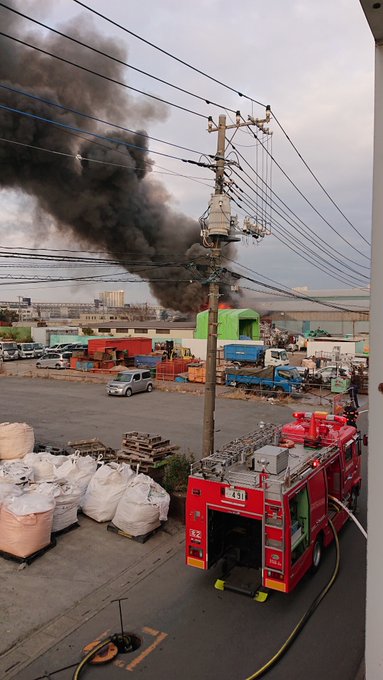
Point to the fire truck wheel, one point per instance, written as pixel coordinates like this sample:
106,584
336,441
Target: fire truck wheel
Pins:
317,554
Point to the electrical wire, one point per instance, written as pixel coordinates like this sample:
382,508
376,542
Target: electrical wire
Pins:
168,54
101,75
231,89
285,174
268,278
306,616
317,180
98,120
115,59
297,250
78,157
114,140
292,222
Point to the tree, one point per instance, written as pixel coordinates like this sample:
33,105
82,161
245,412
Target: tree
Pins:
8,315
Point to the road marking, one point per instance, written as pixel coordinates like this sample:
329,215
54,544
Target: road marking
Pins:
150,631
146,652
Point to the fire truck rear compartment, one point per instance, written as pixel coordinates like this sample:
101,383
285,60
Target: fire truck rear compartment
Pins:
234,538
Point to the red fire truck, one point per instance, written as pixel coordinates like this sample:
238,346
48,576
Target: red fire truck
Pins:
266,498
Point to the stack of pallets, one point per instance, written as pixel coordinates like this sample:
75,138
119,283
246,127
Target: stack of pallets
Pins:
92,447
148,450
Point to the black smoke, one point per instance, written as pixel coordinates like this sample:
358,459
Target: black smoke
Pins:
104,207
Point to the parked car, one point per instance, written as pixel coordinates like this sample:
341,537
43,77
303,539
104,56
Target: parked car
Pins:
326,374
26,350
38,349
127,383
54,360
8,350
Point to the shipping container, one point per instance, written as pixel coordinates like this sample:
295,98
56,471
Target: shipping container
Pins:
132,346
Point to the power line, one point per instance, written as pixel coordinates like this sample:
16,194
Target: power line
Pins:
268,278
228,87
296,250
317,180
295,295
302,195
98,136
274,194
98,120
240,94
283,216
95,160
168,54
115,59
100,75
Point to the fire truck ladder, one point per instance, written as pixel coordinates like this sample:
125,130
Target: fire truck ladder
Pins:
238,450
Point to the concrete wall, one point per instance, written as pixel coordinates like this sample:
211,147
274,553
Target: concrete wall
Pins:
351,347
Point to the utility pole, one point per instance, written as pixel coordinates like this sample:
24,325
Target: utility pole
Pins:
217,229
212,333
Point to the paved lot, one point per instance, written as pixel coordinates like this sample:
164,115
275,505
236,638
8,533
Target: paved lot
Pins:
60,411
187,628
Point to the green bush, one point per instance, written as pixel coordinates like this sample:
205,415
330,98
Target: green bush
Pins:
177,472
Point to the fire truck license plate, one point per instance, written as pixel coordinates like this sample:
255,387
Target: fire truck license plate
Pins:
235,494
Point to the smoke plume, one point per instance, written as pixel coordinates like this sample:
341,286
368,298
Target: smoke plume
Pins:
103,206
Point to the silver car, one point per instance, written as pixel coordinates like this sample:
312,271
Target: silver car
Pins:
127,383
54,360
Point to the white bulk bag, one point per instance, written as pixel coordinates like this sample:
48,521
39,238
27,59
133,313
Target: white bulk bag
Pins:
105,490
78,470
16,440
8,489
43,465
138,511
15,471
26,523
67,497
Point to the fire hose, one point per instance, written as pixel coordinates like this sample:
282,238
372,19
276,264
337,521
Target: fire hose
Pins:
302,622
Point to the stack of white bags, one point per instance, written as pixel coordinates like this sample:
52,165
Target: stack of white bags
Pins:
41,493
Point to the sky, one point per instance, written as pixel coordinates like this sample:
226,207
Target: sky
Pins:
311,62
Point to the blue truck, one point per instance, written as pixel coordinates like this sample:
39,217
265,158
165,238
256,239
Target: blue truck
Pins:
281,379
256,355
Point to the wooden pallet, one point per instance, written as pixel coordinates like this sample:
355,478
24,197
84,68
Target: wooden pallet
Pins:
139,539
30,558
66,530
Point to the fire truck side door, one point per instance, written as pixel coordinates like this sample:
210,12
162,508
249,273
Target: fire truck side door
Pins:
348,453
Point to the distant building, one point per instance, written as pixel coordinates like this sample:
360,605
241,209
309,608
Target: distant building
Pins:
233,324
112,298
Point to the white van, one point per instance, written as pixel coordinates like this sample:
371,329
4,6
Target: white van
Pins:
26,350
127,383
8,350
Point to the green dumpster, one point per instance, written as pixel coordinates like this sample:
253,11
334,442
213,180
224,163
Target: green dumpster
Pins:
340,385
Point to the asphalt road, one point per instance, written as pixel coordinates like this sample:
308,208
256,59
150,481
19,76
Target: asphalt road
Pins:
61,411
188,629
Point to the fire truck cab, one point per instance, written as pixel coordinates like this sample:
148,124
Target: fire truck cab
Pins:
265,499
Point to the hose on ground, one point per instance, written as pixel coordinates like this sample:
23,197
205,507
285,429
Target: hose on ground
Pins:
88,657
302,622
